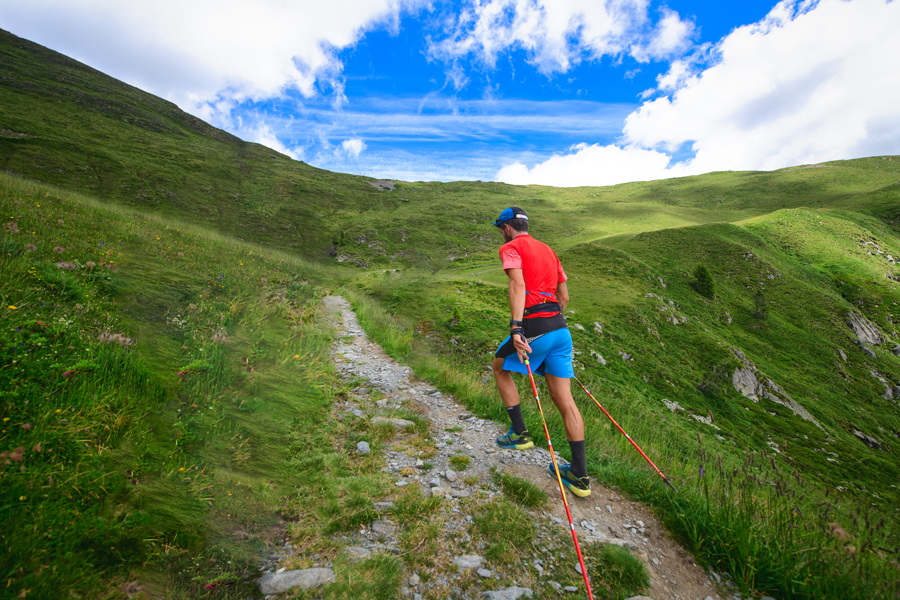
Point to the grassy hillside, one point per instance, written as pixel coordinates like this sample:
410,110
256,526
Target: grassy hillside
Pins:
69,125
188,268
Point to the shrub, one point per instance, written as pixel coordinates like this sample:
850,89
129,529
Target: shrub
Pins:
703,282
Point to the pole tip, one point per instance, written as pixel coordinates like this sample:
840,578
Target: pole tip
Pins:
666,479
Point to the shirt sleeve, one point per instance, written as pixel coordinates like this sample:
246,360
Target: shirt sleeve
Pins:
561,275
511,258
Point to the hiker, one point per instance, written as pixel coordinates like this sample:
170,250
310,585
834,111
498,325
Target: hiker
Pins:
537,297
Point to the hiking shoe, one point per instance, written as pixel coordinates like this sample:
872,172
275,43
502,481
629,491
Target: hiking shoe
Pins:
580,486
514,441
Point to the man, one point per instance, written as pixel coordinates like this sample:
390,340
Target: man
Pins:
537,296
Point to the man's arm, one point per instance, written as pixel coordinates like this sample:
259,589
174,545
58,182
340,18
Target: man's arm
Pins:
517,309
516,293
562,294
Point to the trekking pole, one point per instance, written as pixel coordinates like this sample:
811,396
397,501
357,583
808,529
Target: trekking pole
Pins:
628,437
559,481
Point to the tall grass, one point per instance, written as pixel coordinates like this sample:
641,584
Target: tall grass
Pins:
757,520
151,374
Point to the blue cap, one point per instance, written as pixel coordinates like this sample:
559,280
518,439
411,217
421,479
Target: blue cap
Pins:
510,213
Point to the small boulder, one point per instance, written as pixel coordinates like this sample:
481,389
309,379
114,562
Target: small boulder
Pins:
397,423
468,561
277,583
510,593
363,448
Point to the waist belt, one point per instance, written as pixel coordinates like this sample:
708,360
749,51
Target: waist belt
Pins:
543,307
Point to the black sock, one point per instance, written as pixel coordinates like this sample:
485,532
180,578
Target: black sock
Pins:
518,422
579,462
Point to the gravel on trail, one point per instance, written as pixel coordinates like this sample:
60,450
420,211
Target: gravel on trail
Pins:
603,517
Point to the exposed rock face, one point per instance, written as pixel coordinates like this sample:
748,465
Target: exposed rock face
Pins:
747,384
888,392
866,331
276,583
896,350
868,440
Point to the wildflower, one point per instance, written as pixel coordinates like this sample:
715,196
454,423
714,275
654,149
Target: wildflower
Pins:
60,221
26,426
58,411
30,247
16,455
90,265
65,265
37,448
181,469
11,307
22,498
296,356
66,374
180,373
59,249
11,227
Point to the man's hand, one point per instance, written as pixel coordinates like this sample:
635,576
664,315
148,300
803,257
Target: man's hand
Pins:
522,347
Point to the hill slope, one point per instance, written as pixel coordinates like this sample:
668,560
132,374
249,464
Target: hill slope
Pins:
769,373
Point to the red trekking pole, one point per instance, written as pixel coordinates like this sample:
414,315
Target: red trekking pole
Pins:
666,479
559,481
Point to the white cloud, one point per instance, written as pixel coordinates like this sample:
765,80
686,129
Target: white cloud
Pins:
809,83
352,147
558,34
204,51
591,165
263,134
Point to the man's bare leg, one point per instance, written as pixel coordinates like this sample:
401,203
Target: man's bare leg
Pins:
561,394
509,393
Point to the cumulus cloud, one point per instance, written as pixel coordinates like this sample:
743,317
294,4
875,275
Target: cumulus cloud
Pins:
352,147
202,52
591,165
813,81
558,34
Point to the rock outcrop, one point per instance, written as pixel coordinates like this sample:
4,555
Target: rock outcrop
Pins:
748,385
866,331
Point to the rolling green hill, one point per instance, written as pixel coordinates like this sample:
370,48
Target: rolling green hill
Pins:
769,376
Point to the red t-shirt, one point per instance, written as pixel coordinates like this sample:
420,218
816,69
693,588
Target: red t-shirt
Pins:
540,268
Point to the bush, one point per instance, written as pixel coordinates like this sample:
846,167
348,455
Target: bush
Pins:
703,282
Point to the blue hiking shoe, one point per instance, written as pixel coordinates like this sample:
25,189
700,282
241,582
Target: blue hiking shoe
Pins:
514,441
580,486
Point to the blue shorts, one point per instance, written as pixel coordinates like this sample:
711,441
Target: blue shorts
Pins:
551,352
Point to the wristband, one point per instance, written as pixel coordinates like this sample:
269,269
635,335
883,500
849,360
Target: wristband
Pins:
514,323
520,332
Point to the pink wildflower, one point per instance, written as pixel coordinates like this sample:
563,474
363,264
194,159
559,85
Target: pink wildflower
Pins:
11,227
59,249
67,373
37,448
26,426
30,247
90,265
65,265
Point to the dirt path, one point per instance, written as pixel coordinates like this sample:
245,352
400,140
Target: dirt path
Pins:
603,517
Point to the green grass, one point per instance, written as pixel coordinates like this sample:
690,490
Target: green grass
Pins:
520,491
151,394
194,238
507,529
614,573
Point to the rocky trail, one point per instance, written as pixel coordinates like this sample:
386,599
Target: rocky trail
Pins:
605,517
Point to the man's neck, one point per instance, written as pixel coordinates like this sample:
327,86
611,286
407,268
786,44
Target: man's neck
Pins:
516,234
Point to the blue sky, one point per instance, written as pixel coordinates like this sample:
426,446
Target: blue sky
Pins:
559,92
